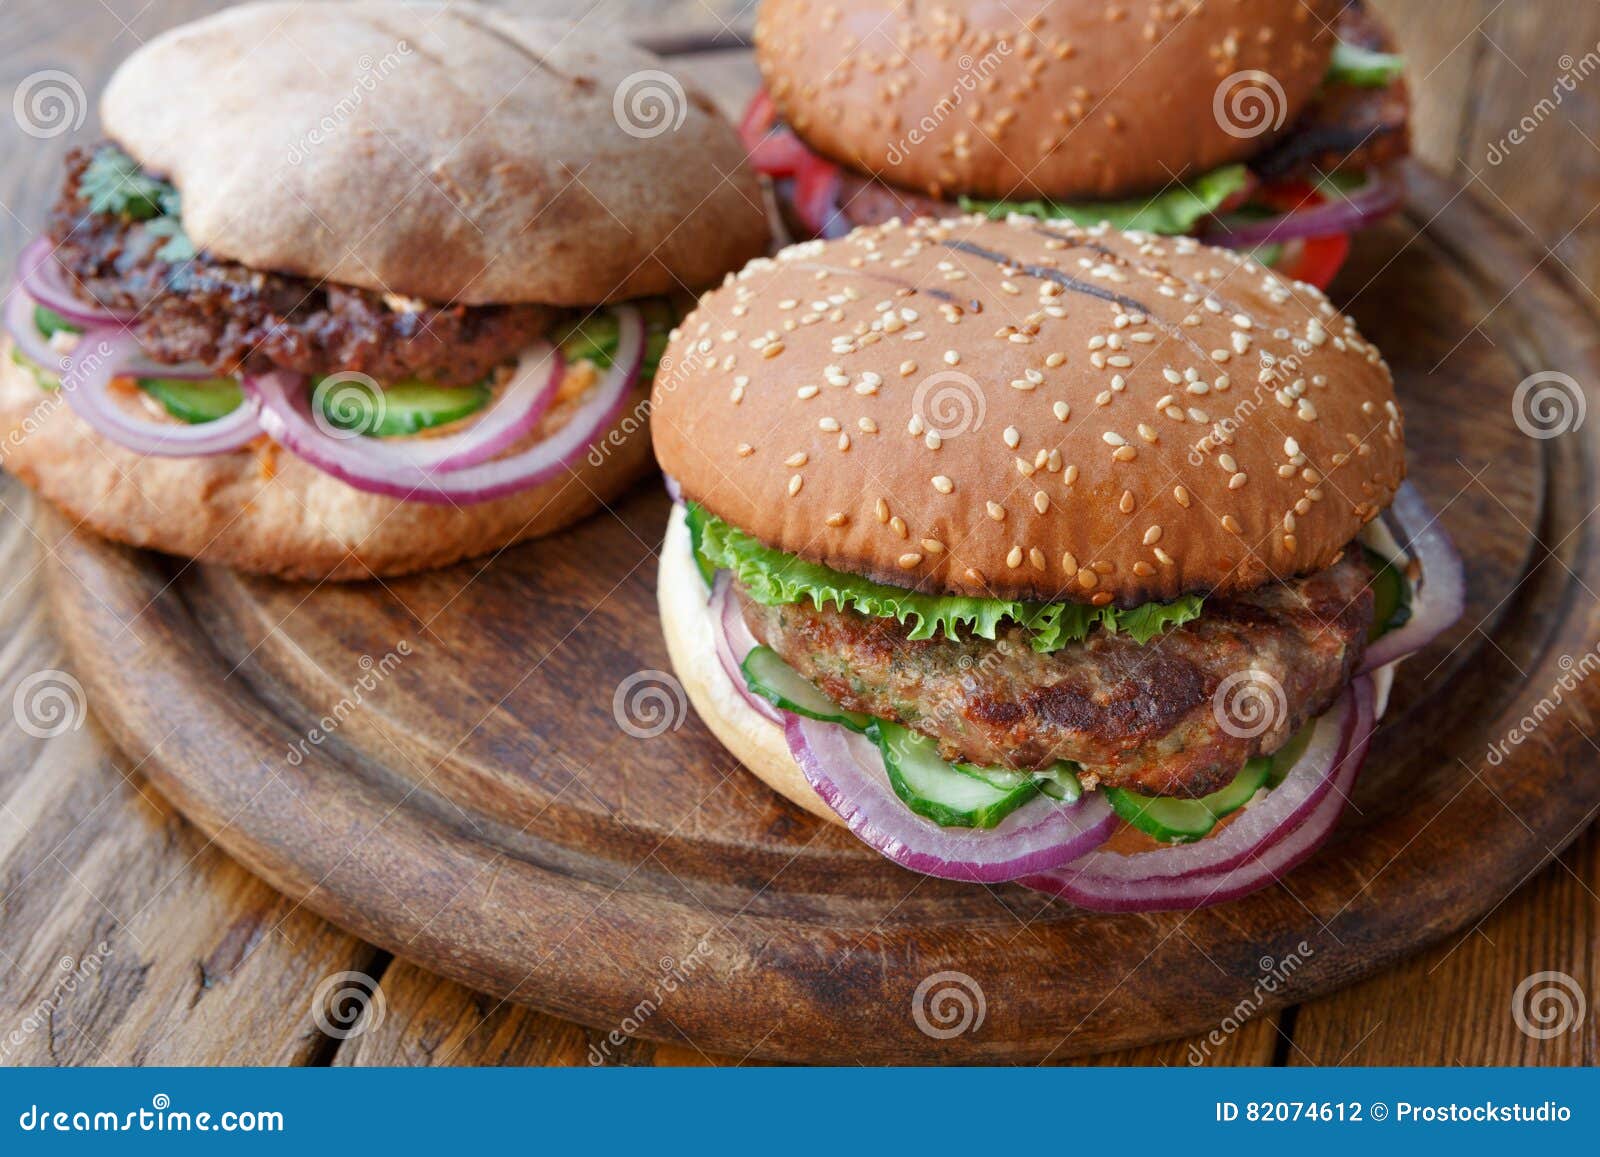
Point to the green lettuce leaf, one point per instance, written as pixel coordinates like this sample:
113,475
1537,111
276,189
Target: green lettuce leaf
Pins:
774,578
1362,67
1174,210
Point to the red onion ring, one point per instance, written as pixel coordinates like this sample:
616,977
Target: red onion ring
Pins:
411,472
1339,213
1203,889
1439,598
101,356
1259,826
847,771
733,642
32,344
41,275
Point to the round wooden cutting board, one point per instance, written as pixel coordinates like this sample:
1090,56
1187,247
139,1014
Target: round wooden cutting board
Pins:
438,764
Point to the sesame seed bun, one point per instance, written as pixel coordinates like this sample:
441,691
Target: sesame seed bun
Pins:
1052,98
1010,409
754,740
444,152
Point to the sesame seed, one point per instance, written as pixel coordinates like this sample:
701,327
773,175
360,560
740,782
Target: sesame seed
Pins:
1062,411
996,511
1041,501
772,350
1124,454
838,518
1182,495
805,393
1012,436
1231,524
898,525
1121,361
932,440
907,368
1148,433
1227,463
909,560
1126,504
796,459
744,449
1036,558
1087,579
1152,536
1054,360
1069,563
829,425
1162,556
1238,480
1014,557
952,358
1021,384
795,483
933,546
1112,438
844,441
942,484
882,510
1069,475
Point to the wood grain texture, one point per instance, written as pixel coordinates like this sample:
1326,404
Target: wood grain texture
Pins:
1465,100
518,836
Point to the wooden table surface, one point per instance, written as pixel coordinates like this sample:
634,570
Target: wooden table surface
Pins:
127,938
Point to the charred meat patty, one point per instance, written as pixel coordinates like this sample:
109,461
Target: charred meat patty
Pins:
1148,717
234,319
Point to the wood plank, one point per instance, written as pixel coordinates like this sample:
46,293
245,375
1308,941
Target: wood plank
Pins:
177,955
1453,1005
1441,47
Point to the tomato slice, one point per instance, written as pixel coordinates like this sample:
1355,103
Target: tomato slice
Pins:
816,197
1319,260
773,148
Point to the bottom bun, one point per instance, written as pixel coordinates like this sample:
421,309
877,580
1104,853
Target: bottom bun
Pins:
264,510
754,740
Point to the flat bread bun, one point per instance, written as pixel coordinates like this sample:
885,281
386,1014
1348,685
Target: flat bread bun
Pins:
1020,410
448,152
266,511
754,740
1068,99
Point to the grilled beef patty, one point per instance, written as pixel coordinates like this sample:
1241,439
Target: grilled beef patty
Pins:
1149,717
237,319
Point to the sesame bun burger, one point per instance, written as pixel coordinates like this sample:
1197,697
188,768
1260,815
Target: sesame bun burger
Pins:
1267,125
359,289
1037,553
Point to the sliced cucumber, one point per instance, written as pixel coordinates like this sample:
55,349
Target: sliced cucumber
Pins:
695,517
1061,782
593,339
50,323
408,407
195,401
1181,821
937,790
1289,754
1391,596
1002,778
785,688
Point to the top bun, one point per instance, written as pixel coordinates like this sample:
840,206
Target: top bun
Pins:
451,153
1018,410
1042,98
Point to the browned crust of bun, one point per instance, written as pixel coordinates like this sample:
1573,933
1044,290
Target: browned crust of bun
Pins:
897,404
445,152
754,740
266,511
1045,98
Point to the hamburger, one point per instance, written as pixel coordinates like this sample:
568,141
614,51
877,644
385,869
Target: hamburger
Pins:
371,312
1267,125
1036,552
